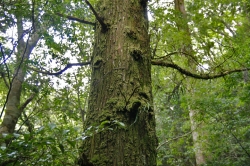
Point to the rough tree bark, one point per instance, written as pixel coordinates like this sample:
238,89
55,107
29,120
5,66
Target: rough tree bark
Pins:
199,154
120,90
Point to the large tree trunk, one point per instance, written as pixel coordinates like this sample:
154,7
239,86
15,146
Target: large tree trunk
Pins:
196,131
120,90
13,108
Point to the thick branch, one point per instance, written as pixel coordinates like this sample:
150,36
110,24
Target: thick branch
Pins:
63,70
99,19
194,75
76,19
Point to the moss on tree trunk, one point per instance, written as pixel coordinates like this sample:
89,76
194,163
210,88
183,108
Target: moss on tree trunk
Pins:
120,125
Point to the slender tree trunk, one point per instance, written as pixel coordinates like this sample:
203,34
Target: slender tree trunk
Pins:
120,90
13,108
199,154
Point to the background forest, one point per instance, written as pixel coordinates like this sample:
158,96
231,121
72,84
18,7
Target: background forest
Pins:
200,77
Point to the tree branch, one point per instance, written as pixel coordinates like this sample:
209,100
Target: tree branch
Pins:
61,71
27,102
228,27
33,15
194,75
76,19
175,138
167,141
99,19
166,56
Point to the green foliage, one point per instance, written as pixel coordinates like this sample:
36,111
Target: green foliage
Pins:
49,131
225,113
175,145
220,41
54,137
47,145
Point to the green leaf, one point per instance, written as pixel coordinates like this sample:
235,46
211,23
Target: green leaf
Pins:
61,148
121,124
104,123
72,143
52,125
